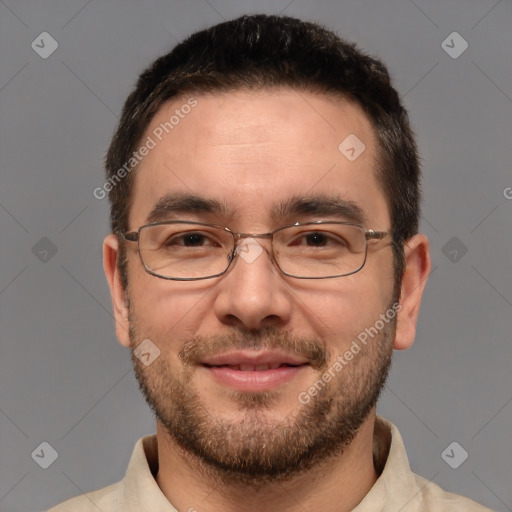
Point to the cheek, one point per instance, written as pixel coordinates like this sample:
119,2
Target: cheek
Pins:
166,311
341,312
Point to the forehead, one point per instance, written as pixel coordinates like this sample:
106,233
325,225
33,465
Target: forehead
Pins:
254,155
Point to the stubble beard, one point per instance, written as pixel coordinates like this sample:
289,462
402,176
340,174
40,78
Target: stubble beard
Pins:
256,450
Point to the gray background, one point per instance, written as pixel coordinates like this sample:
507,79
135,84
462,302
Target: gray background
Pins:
64,378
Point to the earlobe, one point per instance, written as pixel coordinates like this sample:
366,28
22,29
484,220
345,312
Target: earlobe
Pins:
417,269
120,300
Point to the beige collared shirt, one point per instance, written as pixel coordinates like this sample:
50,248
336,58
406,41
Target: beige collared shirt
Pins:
396,489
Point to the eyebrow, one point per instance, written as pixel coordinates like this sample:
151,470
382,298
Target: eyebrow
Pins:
296,206
184,203
322,205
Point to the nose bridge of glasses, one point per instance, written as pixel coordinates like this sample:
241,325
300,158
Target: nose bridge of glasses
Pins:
241,237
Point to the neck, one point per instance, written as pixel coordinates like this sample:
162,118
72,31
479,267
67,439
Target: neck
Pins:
337,485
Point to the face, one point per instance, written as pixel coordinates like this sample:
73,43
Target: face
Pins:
238,351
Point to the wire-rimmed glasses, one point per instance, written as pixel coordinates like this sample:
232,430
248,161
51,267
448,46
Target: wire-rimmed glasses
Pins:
187,251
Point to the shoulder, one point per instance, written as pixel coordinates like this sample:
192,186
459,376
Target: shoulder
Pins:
105,499
439,500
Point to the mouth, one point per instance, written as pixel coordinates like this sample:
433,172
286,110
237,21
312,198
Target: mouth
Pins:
253,367
254,371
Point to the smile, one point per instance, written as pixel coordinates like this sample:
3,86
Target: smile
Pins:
254,371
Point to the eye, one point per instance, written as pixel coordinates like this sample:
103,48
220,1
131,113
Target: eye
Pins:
319,239
316,239
191,239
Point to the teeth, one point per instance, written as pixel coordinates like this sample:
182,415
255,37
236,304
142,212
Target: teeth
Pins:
245,367
254,368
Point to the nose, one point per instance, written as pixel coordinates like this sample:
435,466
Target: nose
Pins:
253,294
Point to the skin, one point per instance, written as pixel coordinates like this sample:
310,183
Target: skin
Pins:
250,149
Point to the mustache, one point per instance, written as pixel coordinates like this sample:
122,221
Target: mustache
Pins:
199,348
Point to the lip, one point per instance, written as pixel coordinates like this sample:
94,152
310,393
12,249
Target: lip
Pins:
255,358
227,369
253,381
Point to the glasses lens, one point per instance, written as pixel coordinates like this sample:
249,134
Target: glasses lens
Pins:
185,251
320,250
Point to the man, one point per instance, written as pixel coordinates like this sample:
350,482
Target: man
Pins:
265,261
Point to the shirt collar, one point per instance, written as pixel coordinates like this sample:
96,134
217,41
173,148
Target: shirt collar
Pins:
139,488
395,489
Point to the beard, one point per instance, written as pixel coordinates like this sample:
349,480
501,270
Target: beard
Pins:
257,450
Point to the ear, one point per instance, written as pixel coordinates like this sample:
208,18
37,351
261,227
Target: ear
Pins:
417,269
117,292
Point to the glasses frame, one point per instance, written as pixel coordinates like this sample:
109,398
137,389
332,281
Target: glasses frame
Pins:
134,236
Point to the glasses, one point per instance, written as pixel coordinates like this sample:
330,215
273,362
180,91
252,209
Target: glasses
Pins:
189,251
